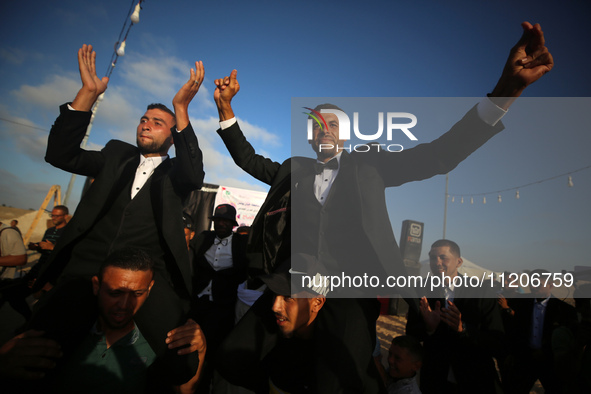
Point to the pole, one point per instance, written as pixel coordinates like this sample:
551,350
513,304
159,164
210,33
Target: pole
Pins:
445,204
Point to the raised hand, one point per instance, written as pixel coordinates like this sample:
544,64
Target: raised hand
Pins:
452,317
528,60
189,333
92,85
226,89
185,95
431,317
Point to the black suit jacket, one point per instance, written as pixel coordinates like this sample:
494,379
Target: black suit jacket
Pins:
470,353
558,314
224,282
172,182
370,174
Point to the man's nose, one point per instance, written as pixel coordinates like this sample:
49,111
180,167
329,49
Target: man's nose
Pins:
125,301
277,304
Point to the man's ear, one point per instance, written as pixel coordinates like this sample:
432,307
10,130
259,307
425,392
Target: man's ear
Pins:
318,303
460,261
150,287
95,285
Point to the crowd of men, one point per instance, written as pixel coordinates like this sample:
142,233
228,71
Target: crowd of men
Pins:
132,300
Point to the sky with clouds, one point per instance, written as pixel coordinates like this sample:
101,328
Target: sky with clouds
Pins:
315,49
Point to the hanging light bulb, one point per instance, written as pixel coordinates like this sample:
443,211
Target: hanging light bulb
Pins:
517,194
121,49
462,201
484,200
471,200
570,181
453,199
499,199
135,17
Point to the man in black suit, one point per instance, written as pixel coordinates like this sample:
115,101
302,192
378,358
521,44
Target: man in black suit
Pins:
340,213
540,339
351,196
136,200
460,327
219,266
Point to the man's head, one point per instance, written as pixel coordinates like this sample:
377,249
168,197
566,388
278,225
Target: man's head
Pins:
13,223
58,215
325,141
295,306
405,357
295,315
122,286
444,258
224,220
154,137
540,287
188,227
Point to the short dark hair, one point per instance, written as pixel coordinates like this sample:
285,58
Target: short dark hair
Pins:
62,208
454,248
161,107
412,344
131,259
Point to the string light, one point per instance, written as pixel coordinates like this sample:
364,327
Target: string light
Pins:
121,49
570,183
135,17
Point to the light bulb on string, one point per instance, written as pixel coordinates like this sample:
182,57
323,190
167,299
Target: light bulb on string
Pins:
121,49
499,199
517,194
453,199
484,200
471,200
135,17
570,181
462,201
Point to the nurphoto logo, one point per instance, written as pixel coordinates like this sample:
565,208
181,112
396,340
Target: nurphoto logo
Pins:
345,128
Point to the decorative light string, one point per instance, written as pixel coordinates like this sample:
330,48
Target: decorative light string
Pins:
132,18
569,183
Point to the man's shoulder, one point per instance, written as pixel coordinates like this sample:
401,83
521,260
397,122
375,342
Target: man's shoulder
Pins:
121,146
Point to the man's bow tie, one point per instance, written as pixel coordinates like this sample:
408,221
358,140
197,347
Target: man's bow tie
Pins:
218,241
332,164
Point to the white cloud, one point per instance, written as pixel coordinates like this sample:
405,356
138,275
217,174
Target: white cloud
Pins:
50,95
253,132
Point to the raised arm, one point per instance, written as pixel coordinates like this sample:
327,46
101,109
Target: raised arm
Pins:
92,86
528,60
226,89
239,148
181,100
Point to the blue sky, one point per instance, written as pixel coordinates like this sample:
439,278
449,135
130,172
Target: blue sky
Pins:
323,49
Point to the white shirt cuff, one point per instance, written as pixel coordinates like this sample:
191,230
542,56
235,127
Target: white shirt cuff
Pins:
224,124
489,112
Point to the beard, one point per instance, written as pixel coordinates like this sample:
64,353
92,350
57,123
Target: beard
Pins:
151,147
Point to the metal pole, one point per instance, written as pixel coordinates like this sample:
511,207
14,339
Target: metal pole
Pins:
445,205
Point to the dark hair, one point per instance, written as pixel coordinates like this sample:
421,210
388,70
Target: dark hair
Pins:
161,107
454,248
62,208
412,344
129,259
